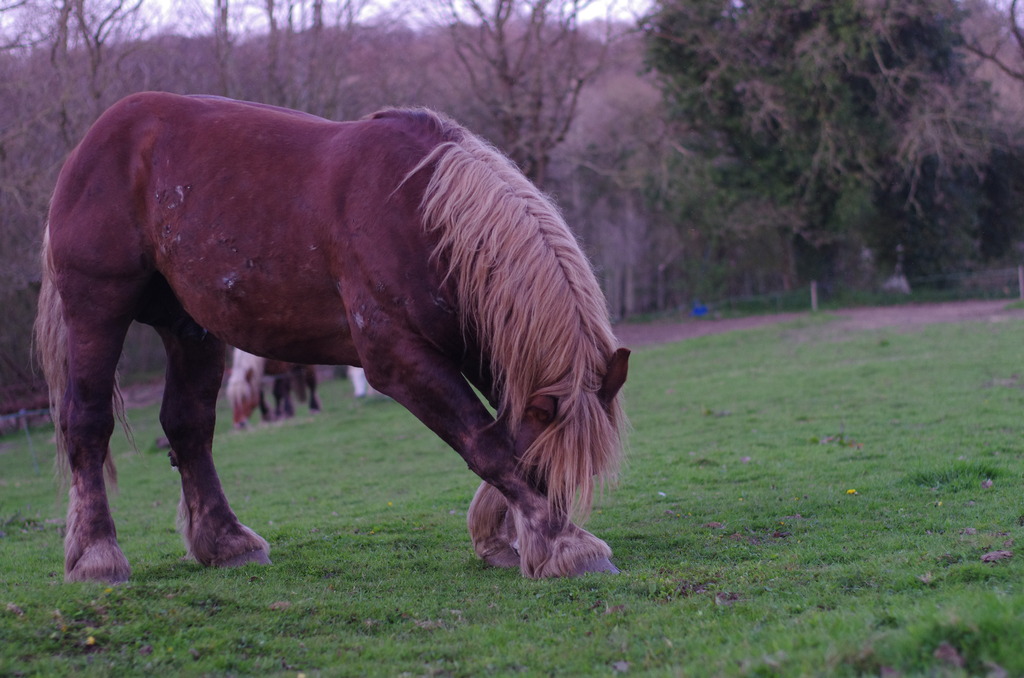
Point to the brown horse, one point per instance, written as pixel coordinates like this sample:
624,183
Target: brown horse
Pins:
400,243
245,387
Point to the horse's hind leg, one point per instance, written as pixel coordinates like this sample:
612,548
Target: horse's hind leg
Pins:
283,408
91,551
309,374
265,412
212,533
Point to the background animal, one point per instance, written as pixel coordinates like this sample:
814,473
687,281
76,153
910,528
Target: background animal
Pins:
245,385
360,387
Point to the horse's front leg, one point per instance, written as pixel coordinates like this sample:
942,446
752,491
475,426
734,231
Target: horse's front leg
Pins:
491,528
547,542
492,525
541,540
212,533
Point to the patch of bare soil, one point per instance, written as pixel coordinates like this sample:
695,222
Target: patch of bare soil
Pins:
141,395
910,315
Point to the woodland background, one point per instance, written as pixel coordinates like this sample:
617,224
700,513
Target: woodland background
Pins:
702,149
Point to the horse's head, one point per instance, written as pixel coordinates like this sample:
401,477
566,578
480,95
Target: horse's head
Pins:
548,429
542,410
245,398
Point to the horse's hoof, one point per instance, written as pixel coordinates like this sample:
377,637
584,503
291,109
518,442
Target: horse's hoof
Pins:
102,562
258,556
502,557
596,565
112,577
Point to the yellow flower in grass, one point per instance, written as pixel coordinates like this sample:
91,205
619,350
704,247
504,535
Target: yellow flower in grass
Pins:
852,492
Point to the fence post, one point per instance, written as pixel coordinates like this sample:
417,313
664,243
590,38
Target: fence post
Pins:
31,448
814,295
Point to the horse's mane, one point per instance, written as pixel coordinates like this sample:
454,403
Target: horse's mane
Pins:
528,294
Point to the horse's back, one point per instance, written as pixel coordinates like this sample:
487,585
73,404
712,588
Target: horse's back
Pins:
145,155
249,212
157,148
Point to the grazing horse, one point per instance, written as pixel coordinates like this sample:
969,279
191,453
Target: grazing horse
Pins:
245,387
400,243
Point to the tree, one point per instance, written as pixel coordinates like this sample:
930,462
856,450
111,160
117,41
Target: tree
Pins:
827,126
995,36
1001,43
527,61
16,32
222,43
602,174
63,69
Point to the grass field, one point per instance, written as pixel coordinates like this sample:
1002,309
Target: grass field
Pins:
798,501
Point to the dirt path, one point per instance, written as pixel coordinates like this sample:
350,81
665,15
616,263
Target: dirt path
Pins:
645,334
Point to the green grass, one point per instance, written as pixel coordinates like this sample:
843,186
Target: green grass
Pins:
797,502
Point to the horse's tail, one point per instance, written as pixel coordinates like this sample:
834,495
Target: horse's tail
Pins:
528,292
51,347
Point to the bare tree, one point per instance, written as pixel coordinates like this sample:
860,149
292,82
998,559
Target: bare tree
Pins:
309,53
222,43
91,28
527,61
14,32
994,34
604,174
999,43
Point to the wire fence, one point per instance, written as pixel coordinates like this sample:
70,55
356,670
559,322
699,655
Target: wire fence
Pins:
1001,283
21,405
22,419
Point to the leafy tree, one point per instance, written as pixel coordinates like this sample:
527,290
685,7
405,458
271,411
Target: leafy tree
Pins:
834,125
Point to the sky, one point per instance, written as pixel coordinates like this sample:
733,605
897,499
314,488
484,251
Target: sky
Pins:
188,16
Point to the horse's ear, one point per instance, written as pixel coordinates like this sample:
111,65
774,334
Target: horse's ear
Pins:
542,408
615,377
